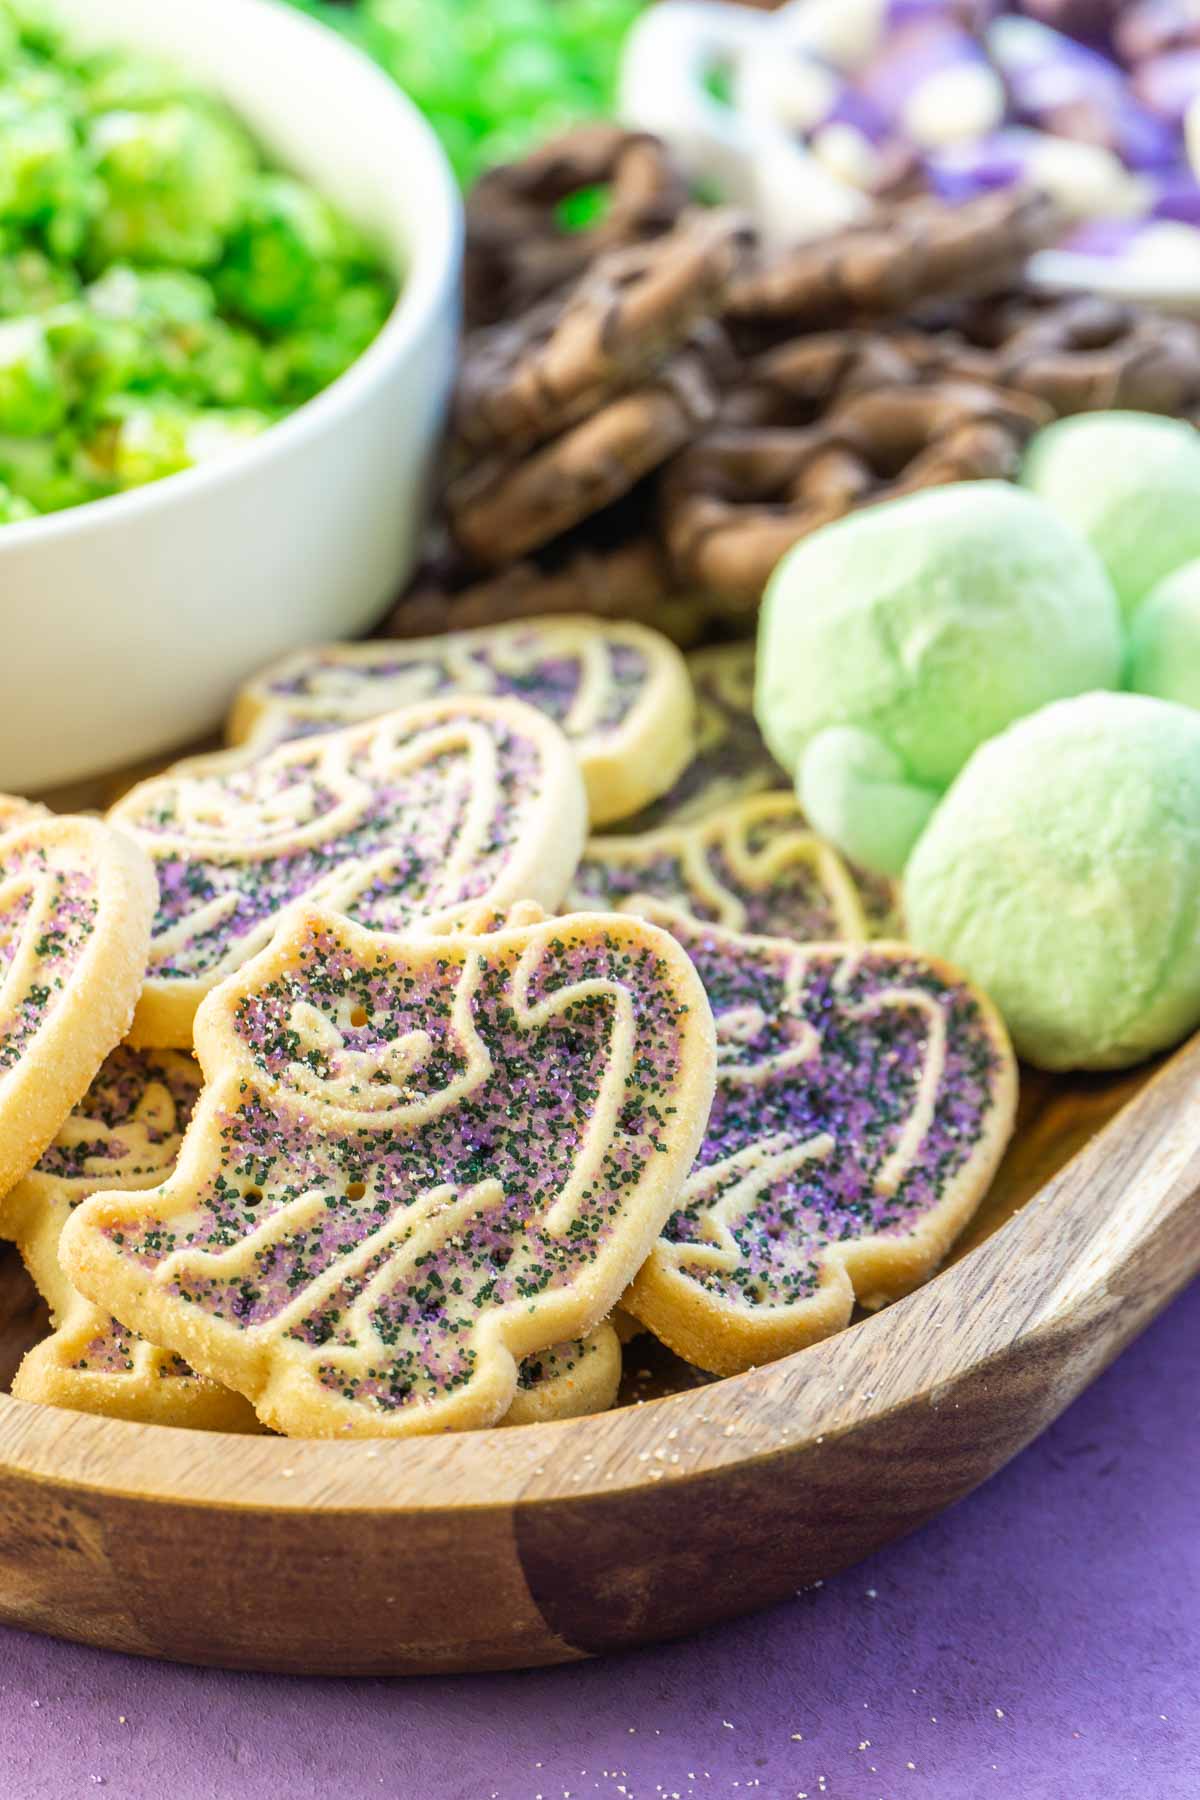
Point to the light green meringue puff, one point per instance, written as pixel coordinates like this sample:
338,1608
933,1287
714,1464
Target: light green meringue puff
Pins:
894,642
1130,482
1062,873
1164,640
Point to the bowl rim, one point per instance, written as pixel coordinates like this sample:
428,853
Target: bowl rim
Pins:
424,287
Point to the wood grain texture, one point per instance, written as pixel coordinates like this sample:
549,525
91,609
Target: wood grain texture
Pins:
547,1543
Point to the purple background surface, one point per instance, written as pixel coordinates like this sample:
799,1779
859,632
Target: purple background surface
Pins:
1041,1641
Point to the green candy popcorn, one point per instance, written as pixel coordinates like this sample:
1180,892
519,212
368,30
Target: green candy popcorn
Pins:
32,399
174,181
45,179
179,341
138,441
304,362
492,76
13,507
44,472
286,253
31,283
164,295
121,80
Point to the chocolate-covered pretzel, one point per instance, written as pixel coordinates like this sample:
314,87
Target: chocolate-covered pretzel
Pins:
519,244
527,380
627,578
1083,353
741,497
887,264
797,381
499,509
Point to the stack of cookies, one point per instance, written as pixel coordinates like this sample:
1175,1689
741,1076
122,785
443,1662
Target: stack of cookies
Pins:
360,1080
650,411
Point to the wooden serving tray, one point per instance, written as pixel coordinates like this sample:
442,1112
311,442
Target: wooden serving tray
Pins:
554,1542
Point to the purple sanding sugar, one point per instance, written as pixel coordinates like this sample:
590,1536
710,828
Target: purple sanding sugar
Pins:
56,907
858,1086
524,664
388,857
116,1101
731,760
323,1188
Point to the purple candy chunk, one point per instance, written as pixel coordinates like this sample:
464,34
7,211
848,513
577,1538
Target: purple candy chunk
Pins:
972,15
1177,196
1047,71
856,109
964,170
1168,84
1155,27
1140,138
1090,21
1104,237
910,56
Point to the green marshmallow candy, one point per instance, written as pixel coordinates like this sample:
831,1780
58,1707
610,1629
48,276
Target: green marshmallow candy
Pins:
1062,873
1130,482
1164,643
894,642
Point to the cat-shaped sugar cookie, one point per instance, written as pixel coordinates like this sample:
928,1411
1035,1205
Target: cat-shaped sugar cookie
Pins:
568,1380
620,693
124,1133
421,816
416,1161
14,812
729,760
864,1097
76,901
753,866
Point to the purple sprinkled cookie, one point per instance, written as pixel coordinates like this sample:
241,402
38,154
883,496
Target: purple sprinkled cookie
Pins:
753,866
419,817
619,691
92,1364
415,1162
729,759
15,812
124,1133
569,1380
75,906
864,1097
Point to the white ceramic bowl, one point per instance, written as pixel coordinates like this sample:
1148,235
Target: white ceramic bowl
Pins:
127,623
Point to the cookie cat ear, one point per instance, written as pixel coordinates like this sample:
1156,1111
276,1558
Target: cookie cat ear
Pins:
856,792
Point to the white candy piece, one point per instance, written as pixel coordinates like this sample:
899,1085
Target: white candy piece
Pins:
791,89
1191,135
846,33
1087,181
1169,250
847,153
797,197
669,53
954,105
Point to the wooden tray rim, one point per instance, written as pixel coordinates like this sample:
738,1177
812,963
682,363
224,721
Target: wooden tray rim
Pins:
781,1408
